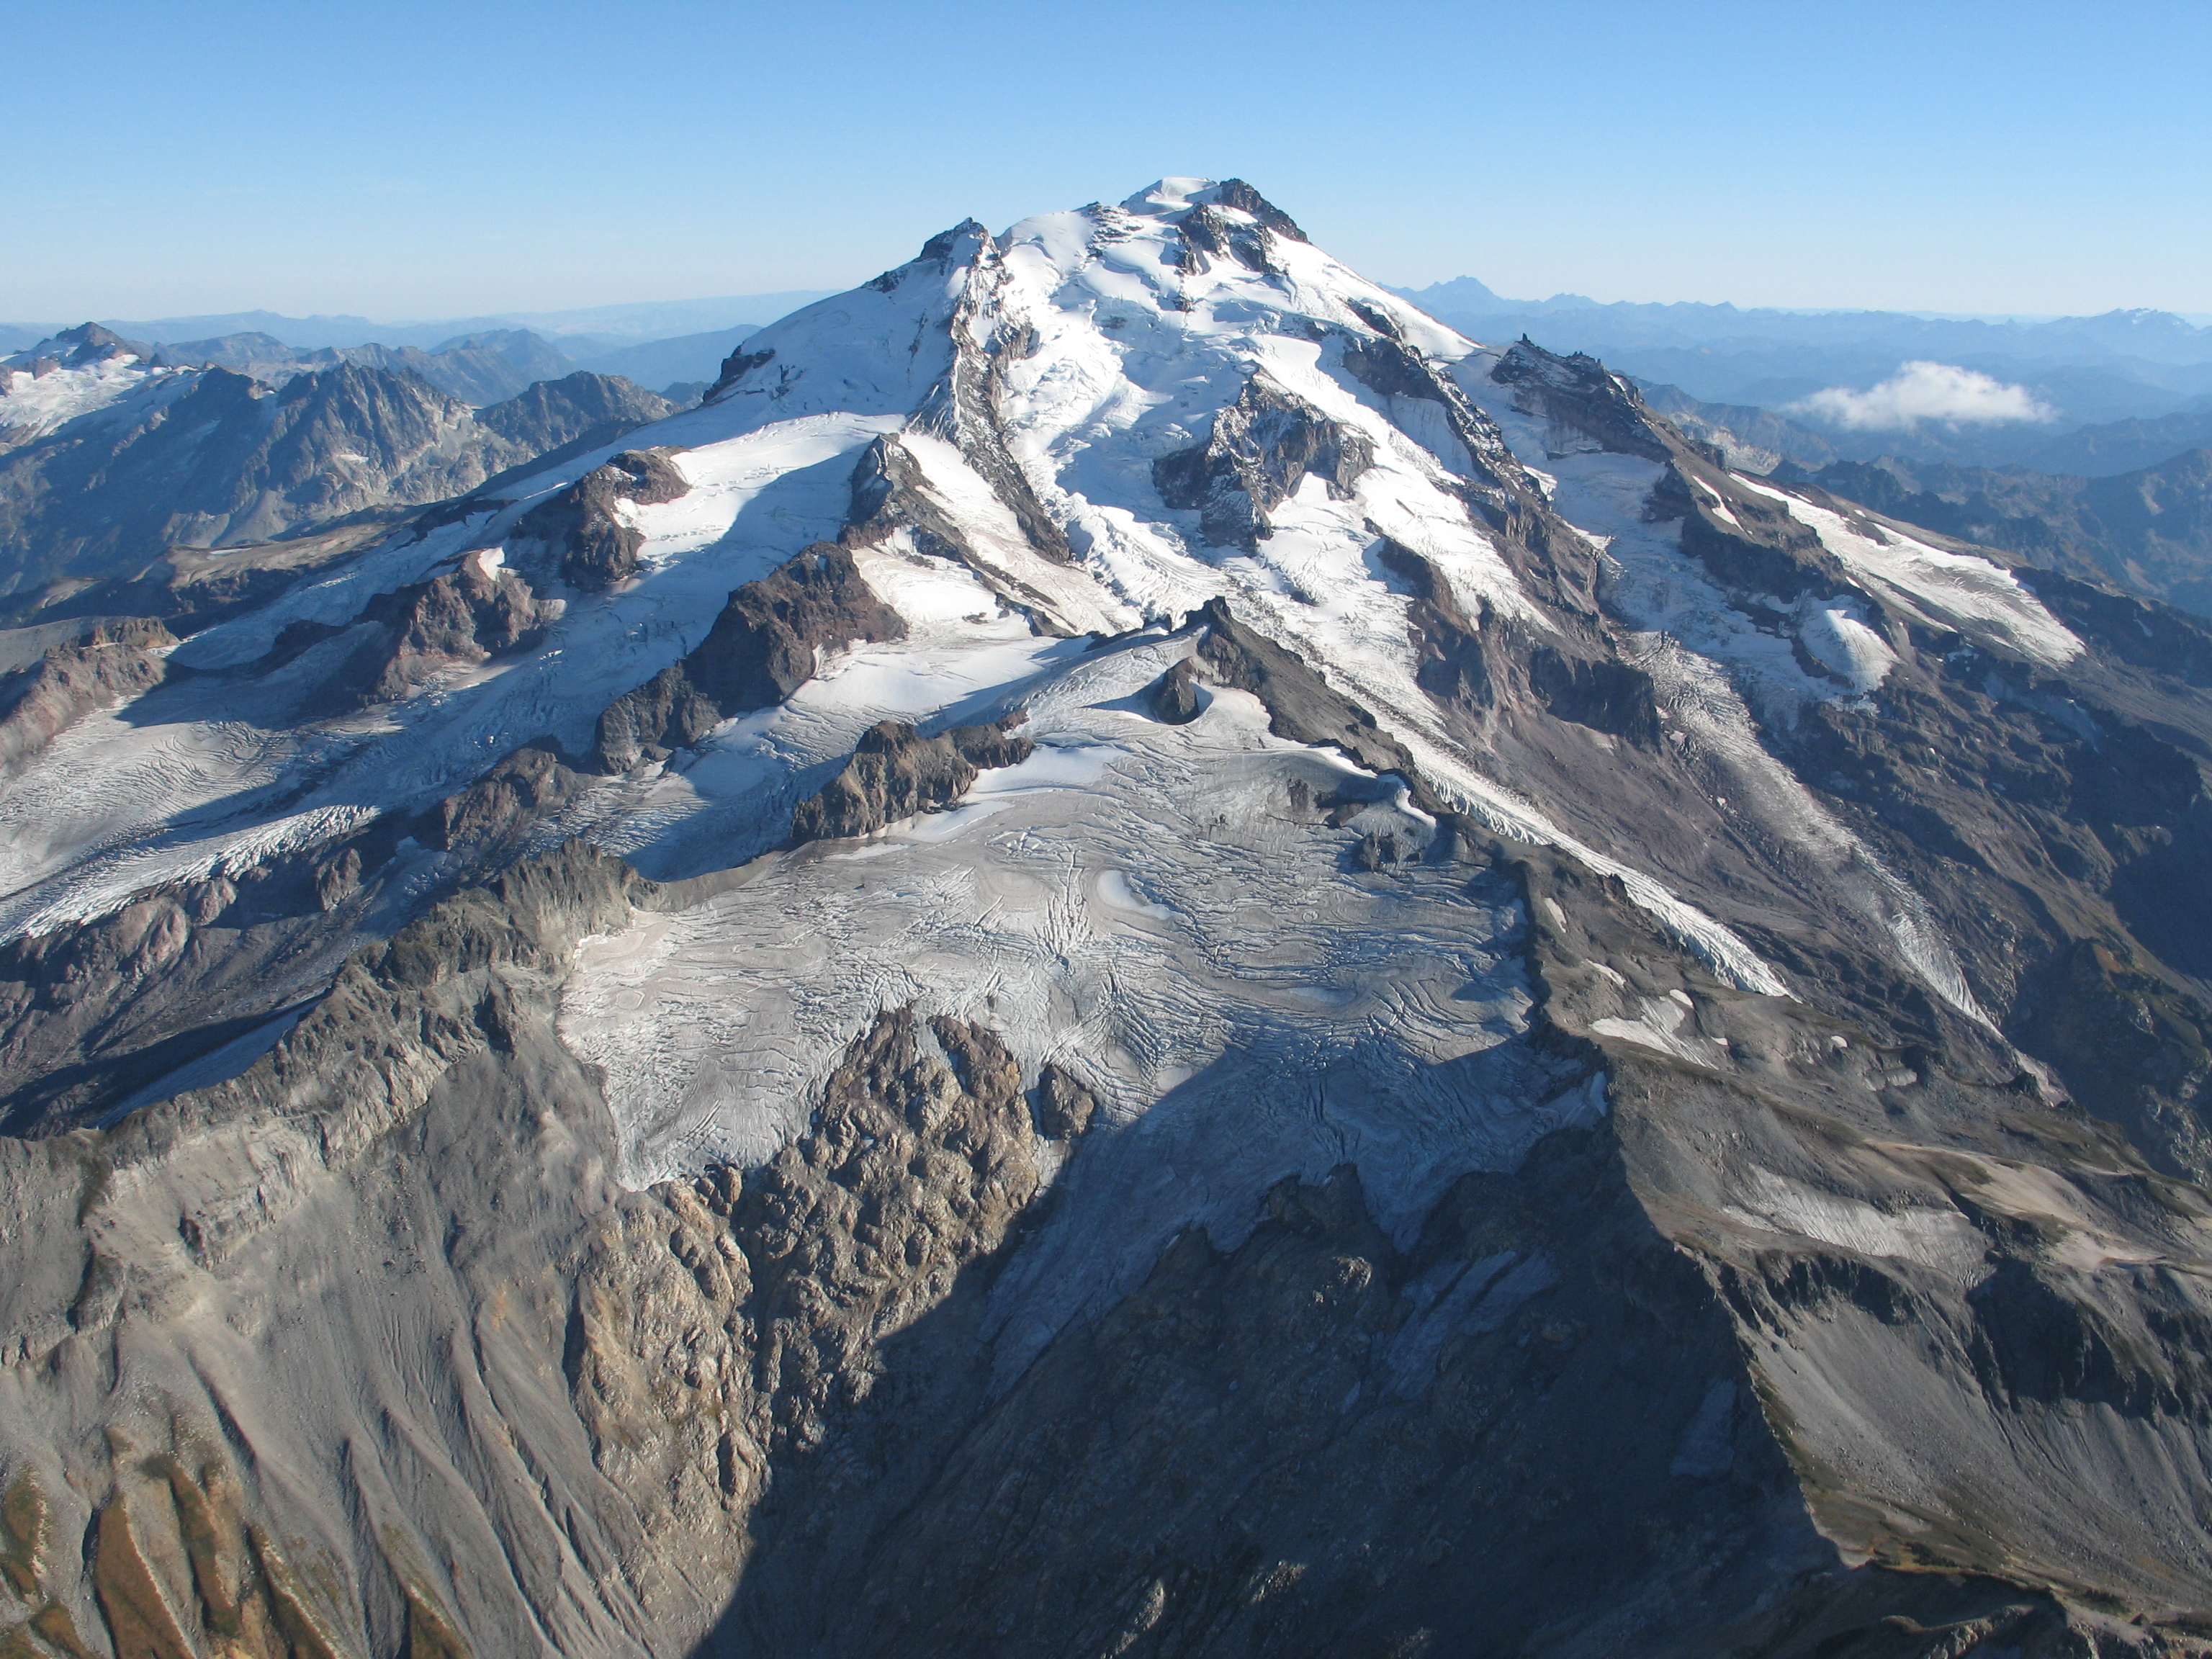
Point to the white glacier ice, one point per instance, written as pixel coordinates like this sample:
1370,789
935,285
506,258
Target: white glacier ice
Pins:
1136,897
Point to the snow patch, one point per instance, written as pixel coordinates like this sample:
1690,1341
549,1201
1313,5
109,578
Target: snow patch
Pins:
1951,589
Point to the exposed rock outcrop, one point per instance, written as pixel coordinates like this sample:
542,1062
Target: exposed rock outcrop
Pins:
1173,697
1581,399
1752,546
493,815
747,1312
1949,786
150,998
585,542
1263,446
891,493
735,367
1236,194
765,643
1064,1107
85,346
895,773
1300,704
114,661
476,613
1233,221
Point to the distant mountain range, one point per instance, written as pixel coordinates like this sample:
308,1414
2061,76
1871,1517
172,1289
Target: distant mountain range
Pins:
579,333
2146,335
676,346
115,454
2143,377
2140,378
476,368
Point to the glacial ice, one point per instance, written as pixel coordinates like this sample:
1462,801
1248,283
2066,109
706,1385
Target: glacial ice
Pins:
1135,898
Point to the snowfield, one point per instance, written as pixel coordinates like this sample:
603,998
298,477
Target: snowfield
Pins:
31,405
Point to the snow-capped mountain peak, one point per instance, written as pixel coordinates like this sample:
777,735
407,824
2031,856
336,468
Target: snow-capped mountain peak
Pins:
1437,878
1101,418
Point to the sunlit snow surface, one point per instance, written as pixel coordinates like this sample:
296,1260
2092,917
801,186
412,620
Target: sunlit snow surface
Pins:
1157,908
1709,663
1136,900
116,807
33,405
1139,901
1953,589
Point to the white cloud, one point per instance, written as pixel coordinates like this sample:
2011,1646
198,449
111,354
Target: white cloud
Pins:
1925,392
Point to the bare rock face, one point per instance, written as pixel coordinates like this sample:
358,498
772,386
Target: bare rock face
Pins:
1234,1387
735,367
761,648
890,494
1300,705
1577,393
1173,697
493,814
1064,1106
182,1550
1235,193
895,773
1754,546
590,548
176,1563
467,617
1234,223
114,661
1262,448
744,1314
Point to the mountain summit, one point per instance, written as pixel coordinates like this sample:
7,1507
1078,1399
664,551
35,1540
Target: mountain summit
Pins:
1133,954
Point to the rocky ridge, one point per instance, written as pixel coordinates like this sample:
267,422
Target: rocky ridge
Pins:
121,455
2149,532
108,663
765,644
588,544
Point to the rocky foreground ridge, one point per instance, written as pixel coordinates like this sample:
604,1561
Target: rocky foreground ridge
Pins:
1132,956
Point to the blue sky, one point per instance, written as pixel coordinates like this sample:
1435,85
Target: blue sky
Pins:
408,159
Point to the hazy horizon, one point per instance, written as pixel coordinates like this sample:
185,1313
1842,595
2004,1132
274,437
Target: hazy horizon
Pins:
179,326
413,161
